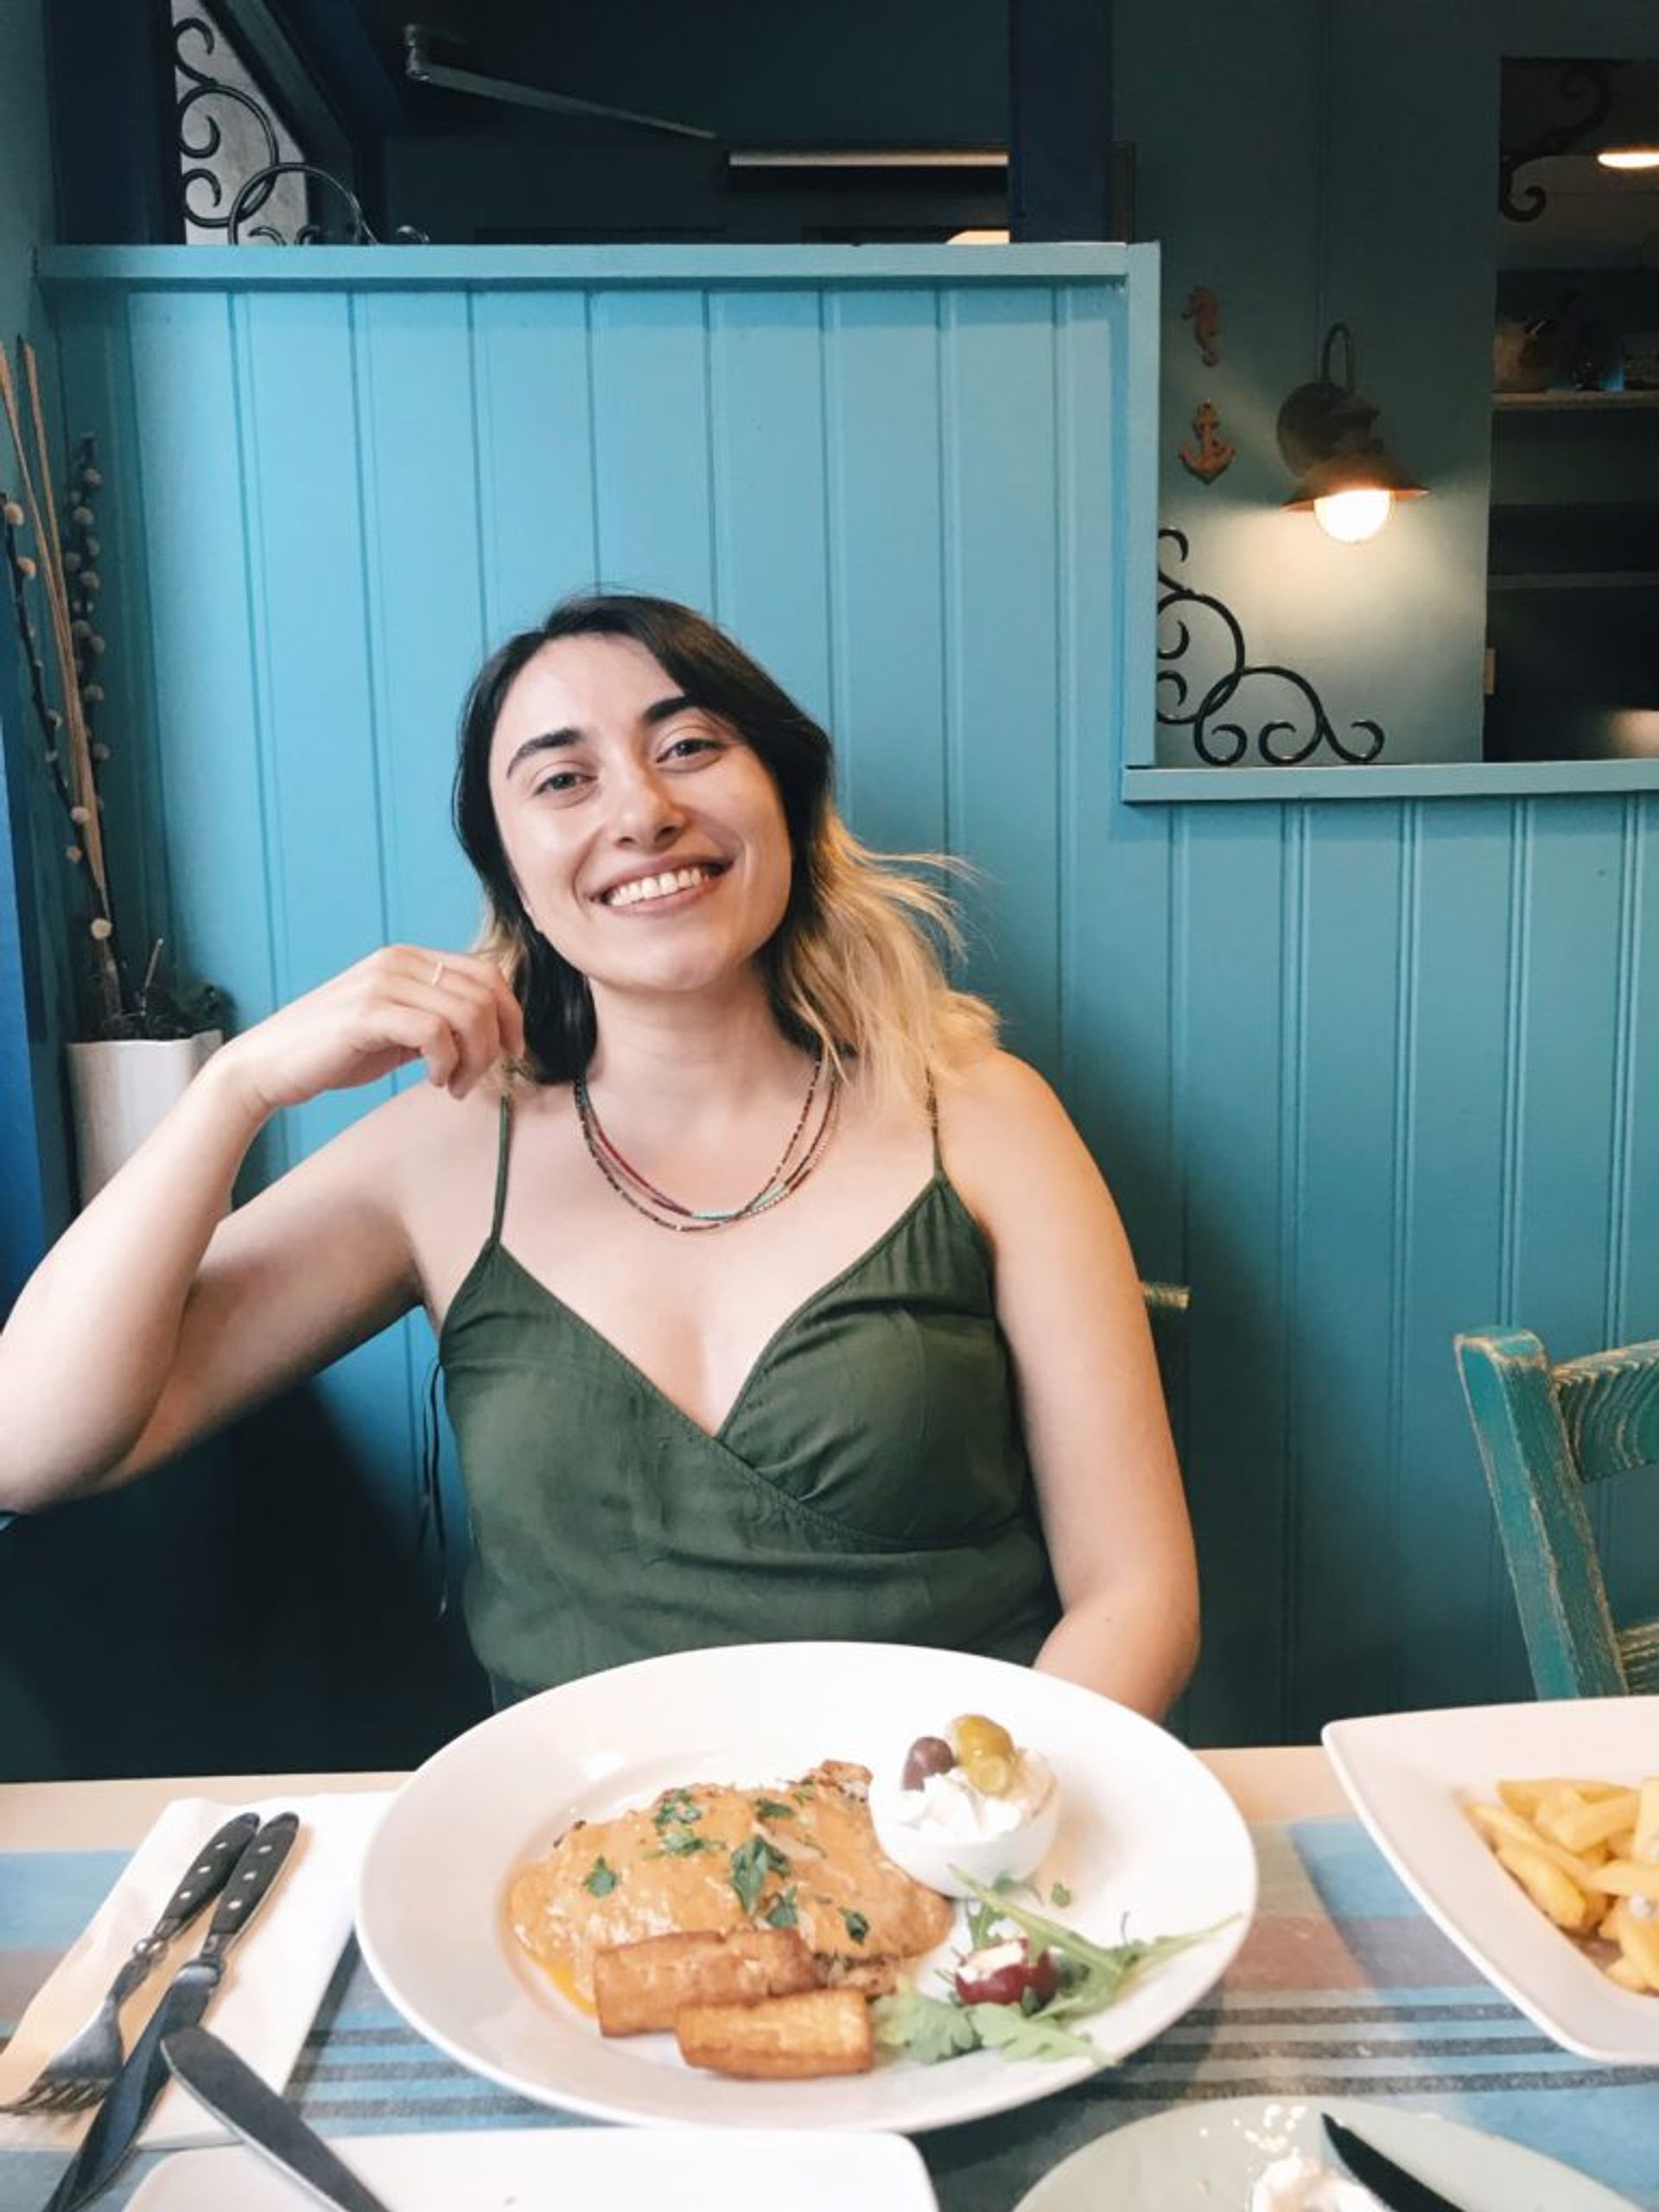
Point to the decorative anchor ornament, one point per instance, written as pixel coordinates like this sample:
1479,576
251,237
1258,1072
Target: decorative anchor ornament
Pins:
1213,452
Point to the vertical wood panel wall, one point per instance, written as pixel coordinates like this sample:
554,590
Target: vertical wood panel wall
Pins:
1361,1075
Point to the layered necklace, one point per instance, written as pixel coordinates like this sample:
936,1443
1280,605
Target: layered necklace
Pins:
799,1157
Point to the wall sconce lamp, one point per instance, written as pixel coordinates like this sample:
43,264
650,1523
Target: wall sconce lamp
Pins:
1344,471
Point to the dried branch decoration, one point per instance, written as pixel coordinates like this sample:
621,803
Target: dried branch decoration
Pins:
65,693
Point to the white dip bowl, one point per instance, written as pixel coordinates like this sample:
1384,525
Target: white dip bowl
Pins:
949,1825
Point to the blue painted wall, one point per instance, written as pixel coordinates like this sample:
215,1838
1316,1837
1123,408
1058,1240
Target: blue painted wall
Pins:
33,1163
1361,1074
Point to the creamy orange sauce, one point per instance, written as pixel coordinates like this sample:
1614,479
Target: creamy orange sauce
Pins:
807,1849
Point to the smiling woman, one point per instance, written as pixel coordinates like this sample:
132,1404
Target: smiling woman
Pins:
891,1382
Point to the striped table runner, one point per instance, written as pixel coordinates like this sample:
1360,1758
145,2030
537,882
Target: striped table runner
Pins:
1343,1987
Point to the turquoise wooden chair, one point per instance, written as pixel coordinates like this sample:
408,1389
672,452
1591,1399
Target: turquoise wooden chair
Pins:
1544,1432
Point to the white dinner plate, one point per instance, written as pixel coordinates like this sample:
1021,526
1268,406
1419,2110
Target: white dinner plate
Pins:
1203,2158
518,2168
1149,1843
1410,1775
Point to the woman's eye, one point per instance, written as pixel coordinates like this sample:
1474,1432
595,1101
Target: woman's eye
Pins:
685,749
562,779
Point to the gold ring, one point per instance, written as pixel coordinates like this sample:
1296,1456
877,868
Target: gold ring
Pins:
436,977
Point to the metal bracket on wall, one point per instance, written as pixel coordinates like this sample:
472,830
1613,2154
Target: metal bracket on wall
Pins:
1225,744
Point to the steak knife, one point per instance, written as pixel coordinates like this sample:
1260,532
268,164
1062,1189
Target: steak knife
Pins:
1399,2191
232,2092
123,2111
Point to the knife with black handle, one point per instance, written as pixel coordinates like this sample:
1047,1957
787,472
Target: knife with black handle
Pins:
123,2111
1399,2191
232,2092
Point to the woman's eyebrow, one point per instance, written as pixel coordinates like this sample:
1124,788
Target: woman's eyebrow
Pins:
548,741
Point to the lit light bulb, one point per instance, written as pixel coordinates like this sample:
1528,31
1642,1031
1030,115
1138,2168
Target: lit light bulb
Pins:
1348,517
1629,158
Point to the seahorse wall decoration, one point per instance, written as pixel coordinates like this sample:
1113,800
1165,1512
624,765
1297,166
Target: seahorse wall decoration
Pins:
1202,311
1212,453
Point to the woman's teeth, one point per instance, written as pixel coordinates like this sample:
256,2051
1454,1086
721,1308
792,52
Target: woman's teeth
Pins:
657,887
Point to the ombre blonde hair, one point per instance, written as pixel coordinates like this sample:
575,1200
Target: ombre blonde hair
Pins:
856,968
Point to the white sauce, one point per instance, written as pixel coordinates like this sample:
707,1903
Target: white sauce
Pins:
948,1805
1300,2184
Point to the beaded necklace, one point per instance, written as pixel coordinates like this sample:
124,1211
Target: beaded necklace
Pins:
687,1220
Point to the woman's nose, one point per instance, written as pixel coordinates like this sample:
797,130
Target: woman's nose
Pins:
647,813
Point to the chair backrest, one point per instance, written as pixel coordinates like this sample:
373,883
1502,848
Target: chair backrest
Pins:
1166,1310
1544,1432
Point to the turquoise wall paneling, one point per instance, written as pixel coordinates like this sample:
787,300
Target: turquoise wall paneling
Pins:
886,582
1361,1075
533,387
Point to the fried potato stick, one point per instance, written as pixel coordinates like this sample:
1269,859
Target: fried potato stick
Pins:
639,1988
782,2039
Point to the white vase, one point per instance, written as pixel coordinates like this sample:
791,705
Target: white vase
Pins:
119,1089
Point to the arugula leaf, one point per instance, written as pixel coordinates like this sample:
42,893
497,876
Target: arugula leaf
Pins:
751,1863
1018,2034
602,1880
983,1917
782,1913
1108,1968
856,1926
768,1808
929,2028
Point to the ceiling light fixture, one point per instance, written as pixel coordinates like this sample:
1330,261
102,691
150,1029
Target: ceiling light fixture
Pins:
1344,473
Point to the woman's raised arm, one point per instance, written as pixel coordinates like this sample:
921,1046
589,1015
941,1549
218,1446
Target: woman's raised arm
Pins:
156,1317
1070,1302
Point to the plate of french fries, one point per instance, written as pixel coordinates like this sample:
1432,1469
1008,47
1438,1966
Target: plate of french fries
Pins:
628,1777
1530,1834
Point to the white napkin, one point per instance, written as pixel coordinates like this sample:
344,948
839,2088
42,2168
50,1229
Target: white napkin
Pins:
275,1975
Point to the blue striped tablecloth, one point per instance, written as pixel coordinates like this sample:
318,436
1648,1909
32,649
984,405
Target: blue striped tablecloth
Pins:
1343,1987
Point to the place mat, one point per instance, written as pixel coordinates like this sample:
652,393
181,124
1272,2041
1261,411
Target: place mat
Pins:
275,1974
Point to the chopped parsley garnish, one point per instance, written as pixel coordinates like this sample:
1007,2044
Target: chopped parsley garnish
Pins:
857,1927
768,1808
680,1843
751,1863
679,1808
601,1880
783,1914
1059,1895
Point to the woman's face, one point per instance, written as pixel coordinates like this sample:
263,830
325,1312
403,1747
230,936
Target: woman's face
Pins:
647,839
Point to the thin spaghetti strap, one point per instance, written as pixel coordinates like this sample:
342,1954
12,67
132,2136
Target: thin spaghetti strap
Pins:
933,1126
503,1144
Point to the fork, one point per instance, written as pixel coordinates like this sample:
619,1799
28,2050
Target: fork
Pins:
76,2077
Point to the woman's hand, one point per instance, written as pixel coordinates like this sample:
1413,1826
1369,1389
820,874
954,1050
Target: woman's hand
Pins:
407,1002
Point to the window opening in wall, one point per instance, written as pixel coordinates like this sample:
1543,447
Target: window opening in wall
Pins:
1573,546
230,127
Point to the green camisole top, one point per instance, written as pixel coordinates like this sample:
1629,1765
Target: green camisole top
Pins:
870,1482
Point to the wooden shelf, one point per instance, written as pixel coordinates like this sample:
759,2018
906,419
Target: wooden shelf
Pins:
1548,403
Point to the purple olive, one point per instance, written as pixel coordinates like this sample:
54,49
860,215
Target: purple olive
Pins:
927,1755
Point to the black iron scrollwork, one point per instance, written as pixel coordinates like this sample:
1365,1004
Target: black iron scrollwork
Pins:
1586,82
256,189
204,88
1223,744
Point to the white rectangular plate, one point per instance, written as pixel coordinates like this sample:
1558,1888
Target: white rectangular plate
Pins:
492,2171
1410,1775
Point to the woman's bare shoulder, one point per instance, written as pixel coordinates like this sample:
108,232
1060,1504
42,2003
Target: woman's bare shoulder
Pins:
997,1096
1008,1141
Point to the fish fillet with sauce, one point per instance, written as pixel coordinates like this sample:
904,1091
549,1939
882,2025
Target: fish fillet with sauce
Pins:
710,1858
